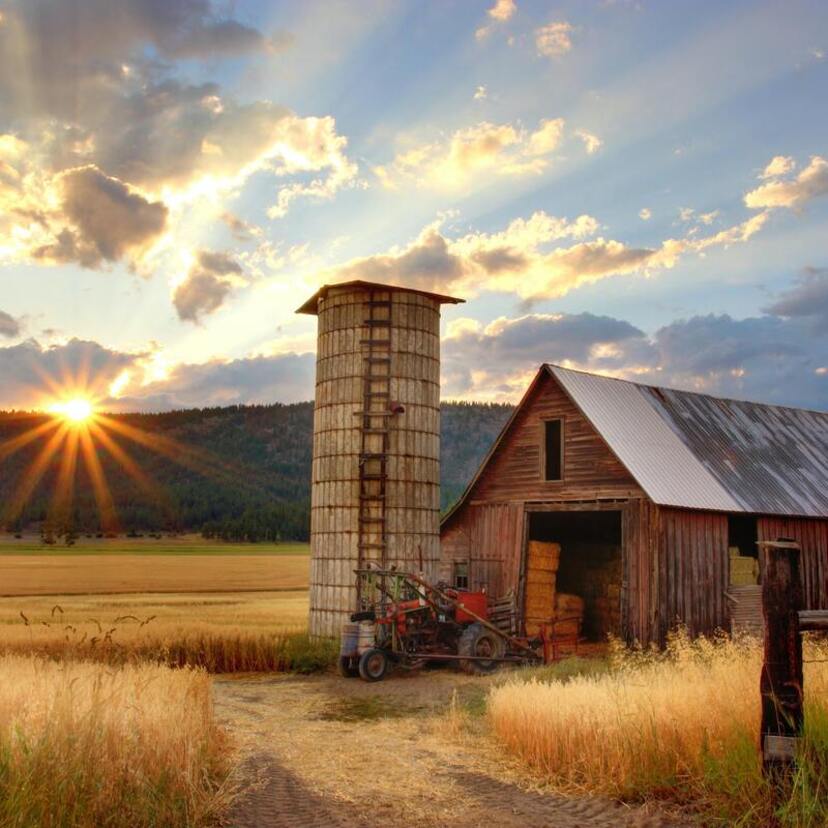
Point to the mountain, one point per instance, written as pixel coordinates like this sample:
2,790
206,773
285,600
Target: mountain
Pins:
241,472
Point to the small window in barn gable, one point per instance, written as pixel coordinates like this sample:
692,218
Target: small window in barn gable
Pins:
461,575
553,450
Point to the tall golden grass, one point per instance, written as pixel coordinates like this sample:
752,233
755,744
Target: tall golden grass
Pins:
223,633
84,745
682,726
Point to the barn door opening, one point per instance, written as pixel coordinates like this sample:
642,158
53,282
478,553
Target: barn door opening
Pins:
574,571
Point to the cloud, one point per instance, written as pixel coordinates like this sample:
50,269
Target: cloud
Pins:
108,220
251,380
764,358
808,298
34,375
592,143
645,213
527,259
9,326
810,183
475,153
208,283
494,360
481,93
501,12
94,84
778,165
553,40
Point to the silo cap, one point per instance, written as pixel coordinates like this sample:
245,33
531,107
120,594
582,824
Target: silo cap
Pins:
312,305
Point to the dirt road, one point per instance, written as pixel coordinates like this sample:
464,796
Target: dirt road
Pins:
324,751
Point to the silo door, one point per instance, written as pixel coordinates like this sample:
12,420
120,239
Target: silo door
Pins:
542,563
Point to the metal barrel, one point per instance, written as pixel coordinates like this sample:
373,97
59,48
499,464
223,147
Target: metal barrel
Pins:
349,639
366,636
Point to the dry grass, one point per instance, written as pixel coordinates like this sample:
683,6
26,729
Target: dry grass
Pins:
224,632
84,745
681,726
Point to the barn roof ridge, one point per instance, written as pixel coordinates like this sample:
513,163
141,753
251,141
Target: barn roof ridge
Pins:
688,450
677,390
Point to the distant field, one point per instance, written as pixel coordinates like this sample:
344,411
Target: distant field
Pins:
183,545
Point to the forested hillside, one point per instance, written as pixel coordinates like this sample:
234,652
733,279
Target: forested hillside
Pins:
241,472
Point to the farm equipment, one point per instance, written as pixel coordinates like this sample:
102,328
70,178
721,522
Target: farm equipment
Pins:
408,622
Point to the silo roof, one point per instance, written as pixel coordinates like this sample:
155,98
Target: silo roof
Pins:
311,306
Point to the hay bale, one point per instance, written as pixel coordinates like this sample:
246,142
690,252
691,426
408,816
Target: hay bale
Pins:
567,604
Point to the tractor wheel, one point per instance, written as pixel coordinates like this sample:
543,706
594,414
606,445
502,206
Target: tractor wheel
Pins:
373,665
348,666
478,640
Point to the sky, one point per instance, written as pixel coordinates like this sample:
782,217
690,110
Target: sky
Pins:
634,188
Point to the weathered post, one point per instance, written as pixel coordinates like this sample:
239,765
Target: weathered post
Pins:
781,681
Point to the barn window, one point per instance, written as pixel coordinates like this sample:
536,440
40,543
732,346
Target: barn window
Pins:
553,450
461,575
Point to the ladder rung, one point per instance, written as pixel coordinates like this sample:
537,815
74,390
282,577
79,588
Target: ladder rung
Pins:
373,455
371,545
379,303
364,496
378,359
375,431
375,413
372,520
377,393
377,323
371,476
383,342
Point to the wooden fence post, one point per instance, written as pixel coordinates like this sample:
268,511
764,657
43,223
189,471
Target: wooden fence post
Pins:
781,681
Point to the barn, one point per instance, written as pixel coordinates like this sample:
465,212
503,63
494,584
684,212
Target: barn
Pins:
656,498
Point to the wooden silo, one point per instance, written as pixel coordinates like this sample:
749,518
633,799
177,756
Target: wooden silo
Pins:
376,439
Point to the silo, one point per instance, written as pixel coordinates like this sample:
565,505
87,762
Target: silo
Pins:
376,439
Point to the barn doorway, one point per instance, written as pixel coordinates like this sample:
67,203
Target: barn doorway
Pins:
589,566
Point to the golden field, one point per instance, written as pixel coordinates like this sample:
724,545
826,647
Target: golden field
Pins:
681,726
85,745
228,608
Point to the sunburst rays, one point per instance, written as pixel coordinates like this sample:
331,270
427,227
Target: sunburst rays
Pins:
76,435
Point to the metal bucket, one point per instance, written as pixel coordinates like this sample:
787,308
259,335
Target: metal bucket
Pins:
349,640
367,636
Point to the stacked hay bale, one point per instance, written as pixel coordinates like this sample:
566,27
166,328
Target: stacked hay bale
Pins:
744,571
569,615
542,564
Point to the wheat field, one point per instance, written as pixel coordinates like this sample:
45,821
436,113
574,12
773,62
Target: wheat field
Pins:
85,745
681,726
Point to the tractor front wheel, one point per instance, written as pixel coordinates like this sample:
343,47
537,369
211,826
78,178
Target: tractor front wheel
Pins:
373,665
483,644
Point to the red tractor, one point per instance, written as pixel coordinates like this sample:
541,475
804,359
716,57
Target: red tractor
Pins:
408,622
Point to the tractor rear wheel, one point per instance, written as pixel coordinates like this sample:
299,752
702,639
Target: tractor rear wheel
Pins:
480,642
373,664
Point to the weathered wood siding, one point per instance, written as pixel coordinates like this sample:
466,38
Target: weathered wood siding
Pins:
693,571
640,617
489,537
590,469
813,538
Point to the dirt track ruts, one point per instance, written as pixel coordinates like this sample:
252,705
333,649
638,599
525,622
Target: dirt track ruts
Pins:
325,751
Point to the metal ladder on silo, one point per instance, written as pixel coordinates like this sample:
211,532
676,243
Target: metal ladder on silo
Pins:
374,438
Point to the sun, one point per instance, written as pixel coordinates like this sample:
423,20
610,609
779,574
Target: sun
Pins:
77,410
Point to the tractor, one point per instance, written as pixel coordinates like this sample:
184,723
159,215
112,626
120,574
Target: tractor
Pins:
407,622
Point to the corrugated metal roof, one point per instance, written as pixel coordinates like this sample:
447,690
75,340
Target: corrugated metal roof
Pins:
699,452
652,451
